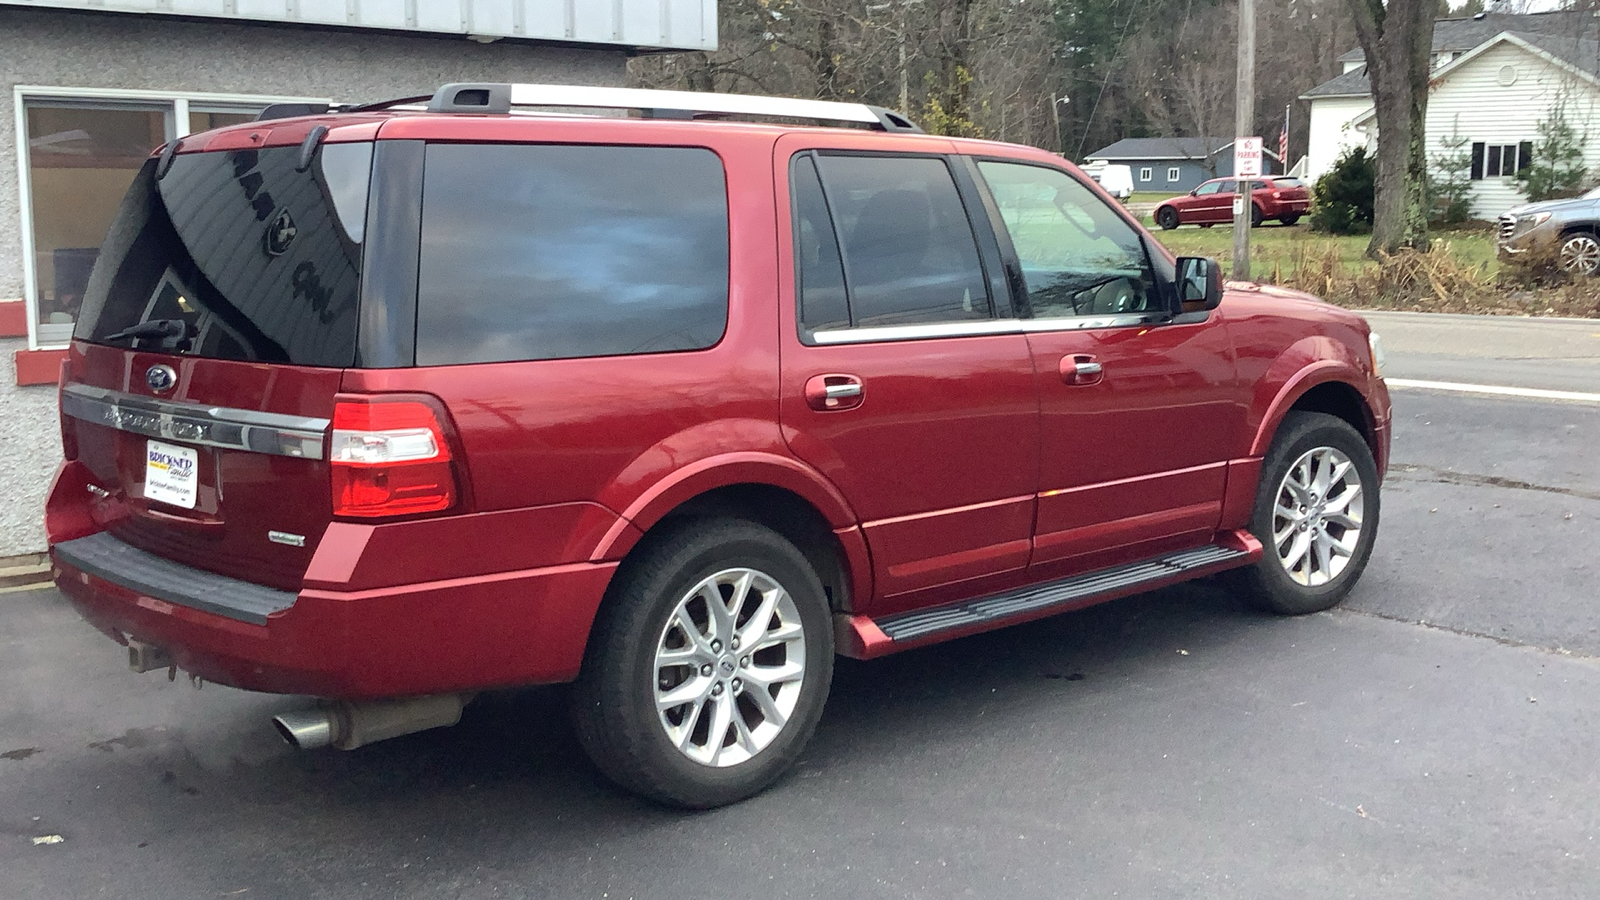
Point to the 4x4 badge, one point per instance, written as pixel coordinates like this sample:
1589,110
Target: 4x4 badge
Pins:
160,378
281,233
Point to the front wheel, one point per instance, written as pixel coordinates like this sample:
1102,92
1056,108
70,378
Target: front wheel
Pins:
1167,218
1580,254
1316,515
708,667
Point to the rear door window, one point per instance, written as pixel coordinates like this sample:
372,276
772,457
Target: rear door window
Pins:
555,251
895,230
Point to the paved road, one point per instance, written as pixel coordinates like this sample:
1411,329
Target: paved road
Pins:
1555,354
1432,738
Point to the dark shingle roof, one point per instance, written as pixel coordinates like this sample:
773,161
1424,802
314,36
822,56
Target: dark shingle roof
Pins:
1581,52
1163,148
1350,84
1460,35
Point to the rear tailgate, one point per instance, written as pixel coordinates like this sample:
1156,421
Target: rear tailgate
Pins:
204,368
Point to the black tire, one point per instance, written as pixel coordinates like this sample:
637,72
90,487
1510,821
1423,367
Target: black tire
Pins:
614,699
1256,218
1207,224
1269,584
1167,217
1289,220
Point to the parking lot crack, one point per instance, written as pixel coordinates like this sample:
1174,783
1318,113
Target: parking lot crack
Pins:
1416,472
1467,632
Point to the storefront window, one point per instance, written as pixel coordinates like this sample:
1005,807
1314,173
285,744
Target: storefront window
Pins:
203,120
81,160
81,152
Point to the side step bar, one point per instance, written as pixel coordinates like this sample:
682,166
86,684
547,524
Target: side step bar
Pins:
865,638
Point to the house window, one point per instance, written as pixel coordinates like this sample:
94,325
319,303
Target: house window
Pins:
1500,160
81,150
1173,174
1145,174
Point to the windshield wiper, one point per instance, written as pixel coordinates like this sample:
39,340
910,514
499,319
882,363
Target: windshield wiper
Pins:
173,333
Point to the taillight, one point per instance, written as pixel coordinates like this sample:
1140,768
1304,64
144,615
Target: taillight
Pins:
1277,195
389,457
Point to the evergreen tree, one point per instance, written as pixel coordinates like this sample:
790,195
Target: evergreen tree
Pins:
1557,168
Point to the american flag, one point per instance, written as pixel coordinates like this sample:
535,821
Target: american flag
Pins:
1283,142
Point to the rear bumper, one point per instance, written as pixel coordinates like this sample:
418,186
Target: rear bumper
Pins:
511,628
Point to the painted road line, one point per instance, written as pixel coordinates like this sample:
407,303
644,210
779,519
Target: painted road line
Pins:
1498,390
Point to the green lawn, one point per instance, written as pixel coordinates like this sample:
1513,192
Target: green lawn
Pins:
1274,245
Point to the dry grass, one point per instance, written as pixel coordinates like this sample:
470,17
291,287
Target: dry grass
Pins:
1458,274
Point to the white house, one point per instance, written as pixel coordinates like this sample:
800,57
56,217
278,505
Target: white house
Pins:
1495,78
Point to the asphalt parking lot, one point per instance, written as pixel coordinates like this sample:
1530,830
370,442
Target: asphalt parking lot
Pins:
1433,737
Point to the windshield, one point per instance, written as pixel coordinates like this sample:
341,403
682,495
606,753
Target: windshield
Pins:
236,255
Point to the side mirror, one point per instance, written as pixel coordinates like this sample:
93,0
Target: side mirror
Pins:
1199,283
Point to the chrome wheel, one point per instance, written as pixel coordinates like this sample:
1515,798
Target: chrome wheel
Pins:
1580,254
1316,518
729,667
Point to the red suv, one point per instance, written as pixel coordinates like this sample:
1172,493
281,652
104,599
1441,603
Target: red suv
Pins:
392,405
1274,197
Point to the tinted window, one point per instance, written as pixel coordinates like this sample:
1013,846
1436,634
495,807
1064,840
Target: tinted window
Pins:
252,258
817,263
909,253
1079,258
550,252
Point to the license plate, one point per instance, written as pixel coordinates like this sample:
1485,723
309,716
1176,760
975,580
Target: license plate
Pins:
171,474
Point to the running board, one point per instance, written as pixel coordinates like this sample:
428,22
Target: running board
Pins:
864,638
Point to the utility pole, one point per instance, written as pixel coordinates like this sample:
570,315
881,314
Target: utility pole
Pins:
1244,116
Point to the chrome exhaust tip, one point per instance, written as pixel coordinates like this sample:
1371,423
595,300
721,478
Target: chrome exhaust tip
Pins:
347,725
305,730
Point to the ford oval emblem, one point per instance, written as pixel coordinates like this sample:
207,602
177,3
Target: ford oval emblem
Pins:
281,233
161,378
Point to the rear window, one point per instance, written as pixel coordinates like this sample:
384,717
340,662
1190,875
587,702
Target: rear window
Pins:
236,255
1288,182
552,252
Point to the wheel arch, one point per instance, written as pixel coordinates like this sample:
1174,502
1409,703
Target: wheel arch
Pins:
779,493
1328,387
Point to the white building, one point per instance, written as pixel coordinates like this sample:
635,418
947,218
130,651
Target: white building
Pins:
88,87
1495,78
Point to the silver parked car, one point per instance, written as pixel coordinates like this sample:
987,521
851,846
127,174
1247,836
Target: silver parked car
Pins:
1566,232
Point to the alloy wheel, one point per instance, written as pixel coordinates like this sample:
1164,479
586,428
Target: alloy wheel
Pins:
729,666
1580,254
1316,518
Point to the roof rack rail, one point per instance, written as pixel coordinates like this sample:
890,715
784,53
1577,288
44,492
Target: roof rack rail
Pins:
500,98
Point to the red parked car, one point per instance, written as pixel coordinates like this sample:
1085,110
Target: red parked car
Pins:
1274,197
391,406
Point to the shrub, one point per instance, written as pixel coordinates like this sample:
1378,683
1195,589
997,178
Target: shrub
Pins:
1342,199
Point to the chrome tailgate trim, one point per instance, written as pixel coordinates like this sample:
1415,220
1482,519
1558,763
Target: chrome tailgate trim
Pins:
193,423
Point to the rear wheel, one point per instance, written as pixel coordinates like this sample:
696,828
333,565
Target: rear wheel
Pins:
1316,515
1580,254
1256,218
1167,217
708,667
1289,220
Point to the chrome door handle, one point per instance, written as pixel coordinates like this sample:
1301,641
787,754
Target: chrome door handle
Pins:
832,393
1081,368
